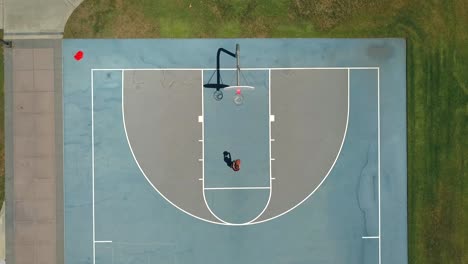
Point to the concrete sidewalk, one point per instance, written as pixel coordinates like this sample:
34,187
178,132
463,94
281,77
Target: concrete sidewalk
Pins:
2,234
33,152
33,219
34,19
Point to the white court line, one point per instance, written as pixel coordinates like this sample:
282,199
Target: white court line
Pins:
269,150
234,69
203,154
378,160
237,188
223,222
92,165
103,241
370,237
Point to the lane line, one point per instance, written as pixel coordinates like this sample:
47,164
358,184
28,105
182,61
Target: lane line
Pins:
221,221
269,130
269,151
370,237
103,241
237,188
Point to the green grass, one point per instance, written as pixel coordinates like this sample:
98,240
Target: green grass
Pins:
437,79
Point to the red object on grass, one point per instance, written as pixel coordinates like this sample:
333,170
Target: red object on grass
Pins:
79,55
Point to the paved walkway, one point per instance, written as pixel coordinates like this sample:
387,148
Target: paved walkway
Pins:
33,139
2,233
35,19
34,204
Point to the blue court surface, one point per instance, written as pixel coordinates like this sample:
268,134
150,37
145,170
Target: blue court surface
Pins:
319,126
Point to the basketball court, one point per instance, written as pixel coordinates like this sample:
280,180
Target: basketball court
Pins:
152,127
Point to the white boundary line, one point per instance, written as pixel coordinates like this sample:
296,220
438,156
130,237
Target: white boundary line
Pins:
233,69
378,161
236,188
223,222
92,165
103,241
379,236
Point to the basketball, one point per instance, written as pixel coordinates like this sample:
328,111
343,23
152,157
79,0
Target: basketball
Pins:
236,165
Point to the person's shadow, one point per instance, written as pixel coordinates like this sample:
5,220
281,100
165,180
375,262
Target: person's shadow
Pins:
227,158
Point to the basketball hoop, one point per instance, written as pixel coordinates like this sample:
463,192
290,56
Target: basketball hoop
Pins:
238,99
219,85
218,95
238,95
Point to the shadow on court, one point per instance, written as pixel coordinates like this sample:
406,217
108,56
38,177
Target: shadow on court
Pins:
227,158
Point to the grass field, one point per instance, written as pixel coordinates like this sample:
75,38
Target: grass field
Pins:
437,81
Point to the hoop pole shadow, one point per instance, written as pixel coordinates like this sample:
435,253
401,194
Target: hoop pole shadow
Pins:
218,85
